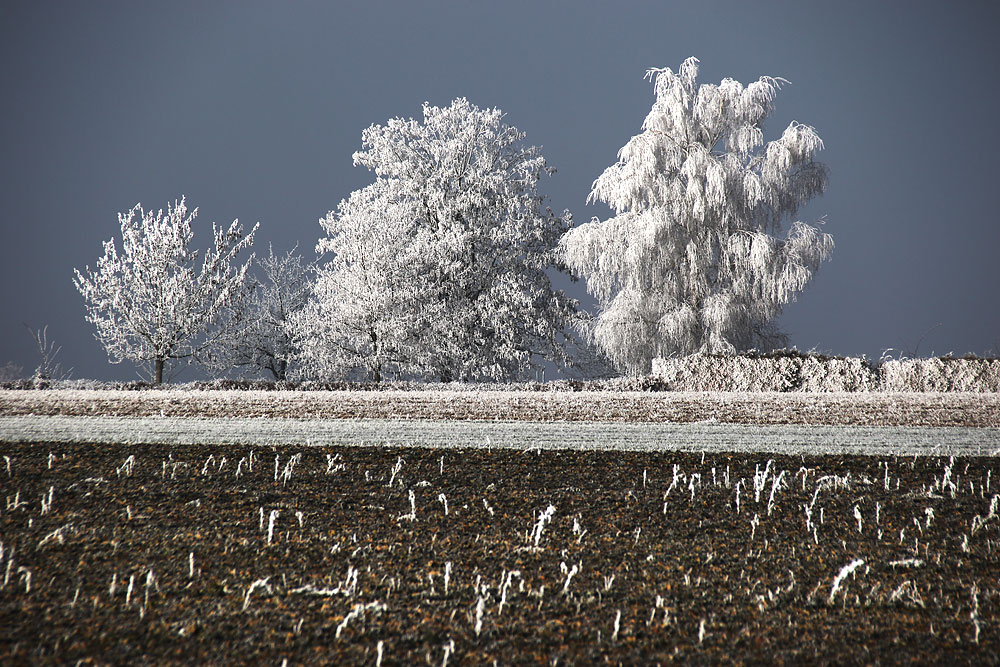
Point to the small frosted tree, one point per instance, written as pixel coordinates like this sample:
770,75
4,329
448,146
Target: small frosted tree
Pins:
160,300
438,268
48,368
261,339
692,259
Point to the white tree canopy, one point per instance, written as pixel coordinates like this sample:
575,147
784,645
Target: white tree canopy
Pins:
437,268
360,319
161,300
261,339
692,259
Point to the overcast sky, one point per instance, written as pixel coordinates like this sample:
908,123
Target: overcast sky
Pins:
253,110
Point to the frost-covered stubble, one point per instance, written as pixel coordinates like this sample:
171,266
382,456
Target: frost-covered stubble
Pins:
161,300
437,268
691,261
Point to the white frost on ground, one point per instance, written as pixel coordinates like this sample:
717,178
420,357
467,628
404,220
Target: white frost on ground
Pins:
869,409
844,423
709,437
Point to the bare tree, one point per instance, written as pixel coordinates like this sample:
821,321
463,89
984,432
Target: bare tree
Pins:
48,368
10,372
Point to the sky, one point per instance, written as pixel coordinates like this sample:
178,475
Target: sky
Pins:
253,109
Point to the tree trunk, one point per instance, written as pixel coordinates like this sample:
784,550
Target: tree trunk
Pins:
376,371
158,373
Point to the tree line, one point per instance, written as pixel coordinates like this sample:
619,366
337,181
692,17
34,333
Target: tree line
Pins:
440,268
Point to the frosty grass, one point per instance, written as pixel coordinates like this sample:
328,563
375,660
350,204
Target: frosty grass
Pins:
635,423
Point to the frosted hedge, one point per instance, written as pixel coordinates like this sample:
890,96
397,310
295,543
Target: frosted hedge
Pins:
941,374
811,373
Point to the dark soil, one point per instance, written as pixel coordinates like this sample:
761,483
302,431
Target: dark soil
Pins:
160,555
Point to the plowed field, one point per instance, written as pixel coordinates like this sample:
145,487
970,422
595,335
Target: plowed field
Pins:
361,555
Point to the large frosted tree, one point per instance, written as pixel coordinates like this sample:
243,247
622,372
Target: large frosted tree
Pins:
694,258
438,268
161,300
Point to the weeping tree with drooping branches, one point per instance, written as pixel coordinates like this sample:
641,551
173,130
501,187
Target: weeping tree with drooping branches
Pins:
695,258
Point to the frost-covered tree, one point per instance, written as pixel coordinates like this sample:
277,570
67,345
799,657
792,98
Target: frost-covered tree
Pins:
160,299
11,372
262,338
693,259
360,319
438,268
48,368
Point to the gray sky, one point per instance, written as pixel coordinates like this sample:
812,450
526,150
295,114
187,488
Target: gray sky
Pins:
253,110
